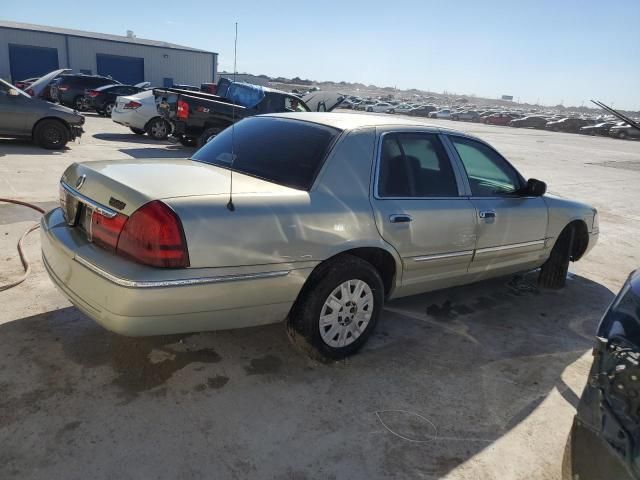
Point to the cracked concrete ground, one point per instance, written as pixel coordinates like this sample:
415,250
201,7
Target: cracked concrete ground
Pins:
473,382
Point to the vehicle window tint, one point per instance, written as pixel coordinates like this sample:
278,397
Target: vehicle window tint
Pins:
489,174
415,165
292,104
283,151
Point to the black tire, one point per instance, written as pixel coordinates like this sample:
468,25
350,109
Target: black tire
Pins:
78,103
206,135
369,109
304,318
158,128
108,108
553,273
51,134
622,135
137,131
188,141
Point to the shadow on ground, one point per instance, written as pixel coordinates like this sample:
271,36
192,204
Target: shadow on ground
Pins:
129,138
445,375
22,146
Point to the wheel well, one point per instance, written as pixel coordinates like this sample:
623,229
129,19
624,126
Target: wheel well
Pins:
382,261
580,238
57,119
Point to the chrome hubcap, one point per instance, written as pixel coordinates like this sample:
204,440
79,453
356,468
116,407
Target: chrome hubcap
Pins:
346,313
109,109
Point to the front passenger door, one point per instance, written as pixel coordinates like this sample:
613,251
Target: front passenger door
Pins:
512,227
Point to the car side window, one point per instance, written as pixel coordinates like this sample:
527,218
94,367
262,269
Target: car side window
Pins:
292,104
415,165
489,174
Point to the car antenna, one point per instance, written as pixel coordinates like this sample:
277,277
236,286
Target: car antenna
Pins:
230,206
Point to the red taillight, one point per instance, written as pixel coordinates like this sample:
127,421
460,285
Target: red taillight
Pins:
153,235
92,93
182,111
63,88
105,231
132,105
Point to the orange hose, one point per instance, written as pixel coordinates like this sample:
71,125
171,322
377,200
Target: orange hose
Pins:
23,257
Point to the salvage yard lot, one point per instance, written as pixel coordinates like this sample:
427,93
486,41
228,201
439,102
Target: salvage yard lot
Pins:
472,382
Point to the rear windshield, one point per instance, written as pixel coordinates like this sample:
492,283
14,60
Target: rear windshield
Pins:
283,151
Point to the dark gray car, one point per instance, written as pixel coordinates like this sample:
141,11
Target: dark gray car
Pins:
50,126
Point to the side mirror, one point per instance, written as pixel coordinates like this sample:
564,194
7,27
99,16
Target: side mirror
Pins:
13,92
535,188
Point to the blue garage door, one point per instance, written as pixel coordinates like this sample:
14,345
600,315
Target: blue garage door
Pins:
129,70
27,61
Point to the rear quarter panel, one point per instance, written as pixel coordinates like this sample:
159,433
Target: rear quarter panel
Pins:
299,226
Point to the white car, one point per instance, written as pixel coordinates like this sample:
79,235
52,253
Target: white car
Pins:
402,108
379,107
139,112
445,113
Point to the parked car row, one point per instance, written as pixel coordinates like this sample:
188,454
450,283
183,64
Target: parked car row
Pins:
557,123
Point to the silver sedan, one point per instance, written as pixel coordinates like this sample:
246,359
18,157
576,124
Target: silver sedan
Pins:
316,218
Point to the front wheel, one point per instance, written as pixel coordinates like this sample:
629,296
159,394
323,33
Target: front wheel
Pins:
158,128
51,134
622,135
338,307
553,273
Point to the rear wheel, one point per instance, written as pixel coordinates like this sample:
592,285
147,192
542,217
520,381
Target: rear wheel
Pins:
187,141
622,135
207,135
51,134
78,103
553,273
137,131
108,109
338,307
158,128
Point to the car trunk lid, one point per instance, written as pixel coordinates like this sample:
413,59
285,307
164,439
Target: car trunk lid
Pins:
126,186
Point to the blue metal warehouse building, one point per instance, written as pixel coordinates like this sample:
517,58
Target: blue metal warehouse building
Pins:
31,50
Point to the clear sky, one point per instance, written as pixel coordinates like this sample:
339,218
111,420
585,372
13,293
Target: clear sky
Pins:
548,50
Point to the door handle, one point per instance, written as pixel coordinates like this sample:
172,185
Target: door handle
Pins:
487,214
400,218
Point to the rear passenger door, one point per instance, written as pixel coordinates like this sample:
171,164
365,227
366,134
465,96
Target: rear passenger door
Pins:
419,209
511,229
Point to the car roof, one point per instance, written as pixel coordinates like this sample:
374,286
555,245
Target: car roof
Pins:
352,121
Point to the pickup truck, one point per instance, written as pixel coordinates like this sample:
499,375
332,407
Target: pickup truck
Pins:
197,116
